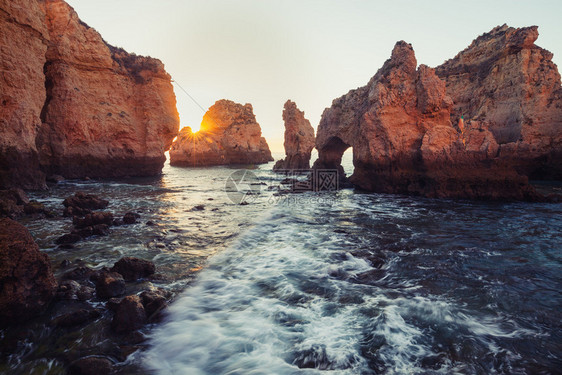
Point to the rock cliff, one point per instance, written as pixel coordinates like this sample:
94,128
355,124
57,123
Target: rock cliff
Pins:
299,139
24,38
77,106
229,134
401,124
506,81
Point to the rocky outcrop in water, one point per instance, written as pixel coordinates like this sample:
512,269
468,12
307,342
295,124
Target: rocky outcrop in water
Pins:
72,105
299,139
511,85
229,134
403,140
27,284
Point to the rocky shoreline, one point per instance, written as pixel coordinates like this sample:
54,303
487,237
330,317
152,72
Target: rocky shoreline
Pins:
82,296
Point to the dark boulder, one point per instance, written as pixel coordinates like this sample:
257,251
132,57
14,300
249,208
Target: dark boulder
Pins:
129,315
130,218
109,284
93,219
34,207
12,203
27,284
133,268
68,238
75,211
72,290
154,301
79,274
86,201
55,178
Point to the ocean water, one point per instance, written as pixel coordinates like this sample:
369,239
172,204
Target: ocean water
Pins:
334,282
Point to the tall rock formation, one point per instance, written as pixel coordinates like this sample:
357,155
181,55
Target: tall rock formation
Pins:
507,82
403,140
229,134
76,106
24,38
299,139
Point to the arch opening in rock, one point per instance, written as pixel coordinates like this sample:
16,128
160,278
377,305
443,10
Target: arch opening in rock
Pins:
330,157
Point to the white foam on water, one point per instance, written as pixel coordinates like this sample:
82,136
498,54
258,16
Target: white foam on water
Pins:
266,305
270,304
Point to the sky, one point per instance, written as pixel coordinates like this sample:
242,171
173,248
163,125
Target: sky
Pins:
265,52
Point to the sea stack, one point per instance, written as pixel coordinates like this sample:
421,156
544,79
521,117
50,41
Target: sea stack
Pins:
400,124
229,134
75,106
299,139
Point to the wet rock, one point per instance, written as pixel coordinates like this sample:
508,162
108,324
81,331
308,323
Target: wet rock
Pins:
113,303
76,317
81,273
72,290
27,284
19,194
100,230
68,238
133,268
91,366
75,211
150,223
11,203
87,201
154,301
109,284
129,315
34,208
130,218
93,219
55,178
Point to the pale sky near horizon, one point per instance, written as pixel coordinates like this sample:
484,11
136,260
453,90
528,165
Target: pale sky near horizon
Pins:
264,52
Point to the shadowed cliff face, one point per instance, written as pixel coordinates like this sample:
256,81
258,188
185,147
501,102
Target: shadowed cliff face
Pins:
403,140
229,134
84,108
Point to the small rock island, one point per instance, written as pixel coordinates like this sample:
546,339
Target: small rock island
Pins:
229,134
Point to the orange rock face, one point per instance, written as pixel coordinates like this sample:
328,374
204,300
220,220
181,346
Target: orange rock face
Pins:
77,106
400,124
108,113
510,83
229,134
299,139
24,39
